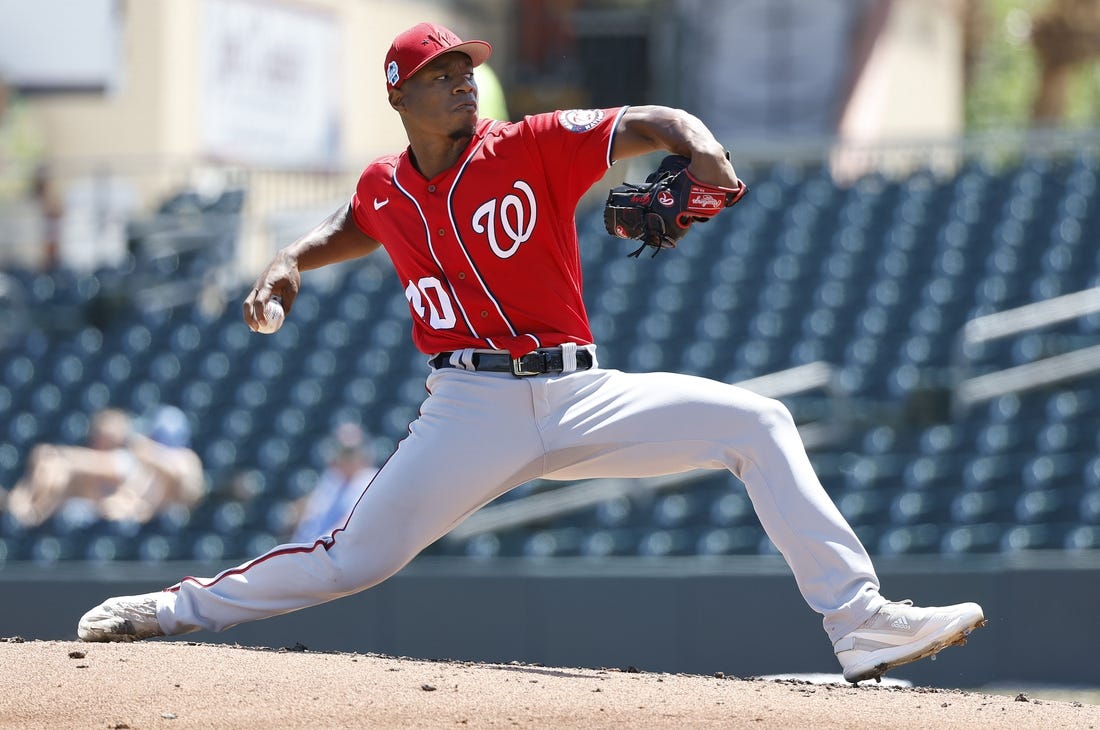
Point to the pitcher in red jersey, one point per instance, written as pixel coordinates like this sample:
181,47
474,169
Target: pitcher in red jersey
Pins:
478,218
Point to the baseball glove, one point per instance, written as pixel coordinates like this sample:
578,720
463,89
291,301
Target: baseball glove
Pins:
660,211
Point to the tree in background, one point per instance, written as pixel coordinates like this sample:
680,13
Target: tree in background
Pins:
1066,36
1032,63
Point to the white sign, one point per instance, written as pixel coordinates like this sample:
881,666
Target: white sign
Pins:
60,44
269,92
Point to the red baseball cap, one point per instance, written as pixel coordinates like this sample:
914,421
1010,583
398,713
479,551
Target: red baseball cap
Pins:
423,42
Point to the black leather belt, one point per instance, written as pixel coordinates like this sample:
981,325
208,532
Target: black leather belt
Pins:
539,362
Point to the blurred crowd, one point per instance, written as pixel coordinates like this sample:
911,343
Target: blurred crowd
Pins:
350,468
135,468
129,469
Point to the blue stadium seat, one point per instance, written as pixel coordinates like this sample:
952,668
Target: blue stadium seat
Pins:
663,543
1061,437
1000,438
731,509
49,549
553,543
229,518
615,512
211,547
108,548
679,509
254,543
978,538
612,542
486,545
978,506
932,472
989,472
917,506
876,277
1082,537
1049,471
1042,536
865,506
729,541
1089,507
1045,505
910,540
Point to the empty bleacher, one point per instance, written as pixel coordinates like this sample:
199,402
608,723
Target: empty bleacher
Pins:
877,279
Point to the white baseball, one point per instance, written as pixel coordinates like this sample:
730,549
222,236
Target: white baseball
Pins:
273,313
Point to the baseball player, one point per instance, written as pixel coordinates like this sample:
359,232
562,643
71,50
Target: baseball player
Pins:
477,216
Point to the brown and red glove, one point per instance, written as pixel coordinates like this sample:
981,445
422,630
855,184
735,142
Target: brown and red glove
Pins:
660,211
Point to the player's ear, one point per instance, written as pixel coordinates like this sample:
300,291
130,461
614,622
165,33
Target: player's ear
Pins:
397,99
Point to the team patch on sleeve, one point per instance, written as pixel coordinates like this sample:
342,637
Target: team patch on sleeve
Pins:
580,120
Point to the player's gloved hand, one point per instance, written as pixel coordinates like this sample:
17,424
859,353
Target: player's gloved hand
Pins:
660,211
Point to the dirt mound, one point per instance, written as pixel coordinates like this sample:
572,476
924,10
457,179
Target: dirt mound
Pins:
177,684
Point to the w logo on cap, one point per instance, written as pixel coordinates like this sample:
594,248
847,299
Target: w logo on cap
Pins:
440,39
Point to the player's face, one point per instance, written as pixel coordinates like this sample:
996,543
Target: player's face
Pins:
441,98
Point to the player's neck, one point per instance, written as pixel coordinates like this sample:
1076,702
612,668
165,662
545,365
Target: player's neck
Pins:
432,155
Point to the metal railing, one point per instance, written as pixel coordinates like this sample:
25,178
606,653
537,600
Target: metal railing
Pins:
1033,375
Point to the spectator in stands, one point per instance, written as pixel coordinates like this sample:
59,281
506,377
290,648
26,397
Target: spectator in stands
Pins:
350,469
121,474
26,207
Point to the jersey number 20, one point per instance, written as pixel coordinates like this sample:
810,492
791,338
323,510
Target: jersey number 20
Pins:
441,315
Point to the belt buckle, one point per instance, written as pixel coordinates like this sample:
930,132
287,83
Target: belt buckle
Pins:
541,358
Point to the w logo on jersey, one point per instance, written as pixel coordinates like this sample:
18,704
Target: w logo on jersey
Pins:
515,217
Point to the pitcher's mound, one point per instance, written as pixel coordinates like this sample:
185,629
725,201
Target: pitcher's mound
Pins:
176,684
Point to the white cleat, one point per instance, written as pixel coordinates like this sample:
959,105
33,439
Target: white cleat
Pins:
901,633
125,618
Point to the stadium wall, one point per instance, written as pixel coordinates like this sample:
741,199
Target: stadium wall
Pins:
743,617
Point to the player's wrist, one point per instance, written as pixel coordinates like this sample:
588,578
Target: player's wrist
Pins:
288,257
716,186
713,169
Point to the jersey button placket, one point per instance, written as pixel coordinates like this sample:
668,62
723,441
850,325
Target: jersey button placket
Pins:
442,232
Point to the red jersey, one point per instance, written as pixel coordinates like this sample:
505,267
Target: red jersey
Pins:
487,250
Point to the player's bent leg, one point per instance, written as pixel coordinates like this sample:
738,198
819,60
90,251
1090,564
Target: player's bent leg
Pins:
831,566
663,423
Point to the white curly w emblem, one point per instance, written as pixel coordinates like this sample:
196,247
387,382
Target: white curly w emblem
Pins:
515,218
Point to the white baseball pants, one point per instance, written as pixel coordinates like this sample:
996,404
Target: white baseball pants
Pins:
480,434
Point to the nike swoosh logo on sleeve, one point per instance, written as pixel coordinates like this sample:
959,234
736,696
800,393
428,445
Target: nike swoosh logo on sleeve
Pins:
379,203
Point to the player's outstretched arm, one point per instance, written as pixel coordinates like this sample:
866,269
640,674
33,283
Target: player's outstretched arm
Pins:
645,129
335,239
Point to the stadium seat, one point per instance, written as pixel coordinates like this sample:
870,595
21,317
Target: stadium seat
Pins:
978,538
876,277
1042,536
1082,537
608,543
553,543
729,541
910,540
